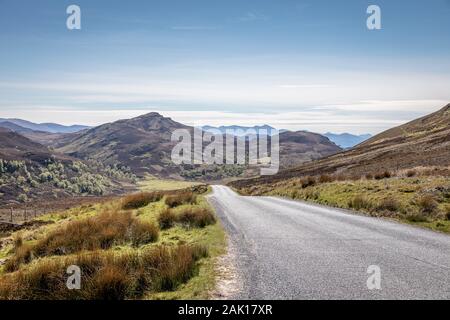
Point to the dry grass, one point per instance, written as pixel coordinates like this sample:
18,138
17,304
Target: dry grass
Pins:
427,203
106,275
389,204
359,202
307,182
190,217
416,217
411,173
139,200
98,232
324,178
167,219
383,175
447,212
196,217
174,200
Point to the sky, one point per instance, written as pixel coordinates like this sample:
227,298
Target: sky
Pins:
293,64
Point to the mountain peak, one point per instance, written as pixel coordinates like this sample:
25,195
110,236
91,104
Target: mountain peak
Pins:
152,114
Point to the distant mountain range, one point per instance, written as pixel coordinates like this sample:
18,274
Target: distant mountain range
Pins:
347,140
240,130
44,127
343,140
144,144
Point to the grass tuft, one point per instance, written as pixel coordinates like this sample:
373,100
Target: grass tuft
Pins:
383,175
106,275
190,217
178,199
427,203
359,202
389,204
167,219
94,233
196,217
139,200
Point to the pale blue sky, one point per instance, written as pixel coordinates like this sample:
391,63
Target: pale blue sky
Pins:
293,64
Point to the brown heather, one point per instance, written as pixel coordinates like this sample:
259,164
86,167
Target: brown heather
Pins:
94,233
106,275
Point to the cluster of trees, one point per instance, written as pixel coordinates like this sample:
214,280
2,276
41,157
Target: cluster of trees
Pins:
212,172
70,177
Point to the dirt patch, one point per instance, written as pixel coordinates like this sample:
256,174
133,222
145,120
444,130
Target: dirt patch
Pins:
228,283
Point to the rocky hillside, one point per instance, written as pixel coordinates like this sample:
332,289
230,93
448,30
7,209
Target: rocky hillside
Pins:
422,142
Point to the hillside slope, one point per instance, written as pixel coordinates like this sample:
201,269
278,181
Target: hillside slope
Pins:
302,146
30,170
142,143
422,142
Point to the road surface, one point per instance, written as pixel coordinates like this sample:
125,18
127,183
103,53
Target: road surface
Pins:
291,250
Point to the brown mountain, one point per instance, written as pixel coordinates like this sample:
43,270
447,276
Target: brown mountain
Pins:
144,144
302,146
422,142
14,146
41,137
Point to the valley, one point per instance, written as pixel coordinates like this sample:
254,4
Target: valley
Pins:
113,157
104,196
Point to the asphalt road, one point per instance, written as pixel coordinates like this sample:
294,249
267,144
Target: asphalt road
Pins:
291,250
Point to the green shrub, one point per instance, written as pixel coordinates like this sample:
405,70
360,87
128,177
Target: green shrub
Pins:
22,197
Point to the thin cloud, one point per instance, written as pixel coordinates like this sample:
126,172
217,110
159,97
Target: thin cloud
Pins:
253,16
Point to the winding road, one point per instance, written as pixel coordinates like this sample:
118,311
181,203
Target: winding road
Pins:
292,250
